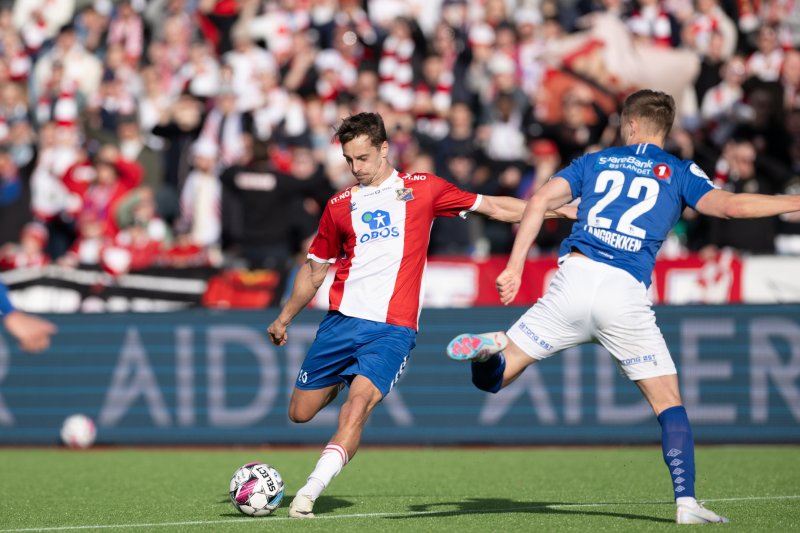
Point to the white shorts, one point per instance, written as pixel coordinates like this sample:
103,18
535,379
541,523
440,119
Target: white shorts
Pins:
589,301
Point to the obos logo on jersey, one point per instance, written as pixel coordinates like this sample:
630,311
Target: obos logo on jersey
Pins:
380,225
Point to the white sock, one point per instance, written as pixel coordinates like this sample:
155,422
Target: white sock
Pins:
689,501
333,459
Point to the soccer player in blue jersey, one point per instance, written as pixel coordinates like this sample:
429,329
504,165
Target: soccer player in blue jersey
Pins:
32,333
630,198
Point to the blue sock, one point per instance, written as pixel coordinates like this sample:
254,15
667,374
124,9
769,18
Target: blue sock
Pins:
678,448
488,375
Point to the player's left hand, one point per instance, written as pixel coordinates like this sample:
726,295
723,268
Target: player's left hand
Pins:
508,283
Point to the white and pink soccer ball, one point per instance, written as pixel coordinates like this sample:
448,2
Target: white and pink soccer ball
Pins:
78,431
256,489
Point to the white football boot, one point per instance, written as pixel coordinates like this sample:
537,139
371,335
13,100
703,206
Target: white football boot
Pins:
301,507
697,514
476,346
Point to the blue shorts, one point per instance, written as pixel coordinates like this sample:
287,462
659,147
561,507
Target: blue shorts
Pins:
346,347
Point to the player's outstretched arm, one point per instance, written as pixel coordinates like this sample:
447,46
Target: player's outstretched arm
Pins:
724,204
510,209
553,194
306,284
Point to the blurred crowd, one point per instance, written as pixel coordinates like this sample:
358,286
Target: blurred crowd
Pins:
141,133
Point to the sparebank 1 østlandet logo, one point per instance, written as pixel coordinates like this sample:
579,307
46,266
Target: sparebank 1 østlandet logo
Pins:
380,226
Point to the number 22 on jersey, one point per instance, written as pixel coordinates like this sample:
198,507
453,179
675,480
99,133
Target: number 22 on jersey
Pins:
611,182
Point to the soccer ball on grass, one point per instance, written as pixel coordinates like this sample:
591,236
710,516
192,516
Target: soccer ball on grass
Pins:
256,489
78,431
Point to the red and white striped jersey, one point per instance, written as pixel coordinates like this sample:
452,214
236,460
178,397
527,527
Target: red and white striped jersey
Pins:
380,236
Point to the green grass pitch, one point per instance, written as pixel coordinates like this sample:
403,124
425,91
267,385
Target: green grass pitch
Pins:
397,489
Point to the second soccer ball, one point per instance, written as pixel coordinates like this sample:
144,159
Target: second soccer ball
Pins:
78,431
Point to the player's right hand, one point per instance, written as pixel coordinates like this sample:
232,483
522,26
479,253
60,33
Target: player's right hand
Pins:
508,283
277,333
32,332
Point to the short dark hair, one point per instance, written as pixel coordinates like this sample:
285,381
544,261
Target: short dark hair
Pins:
369,124
655,107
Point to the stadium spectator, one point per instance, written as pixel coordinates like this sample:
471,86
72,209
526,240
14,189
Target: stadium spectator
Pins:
50,199
298,69
21,143
91,25
276,25
581,124
82,70
15,197
765,124
334,76
179,125
365,93
767,61
501,134
398,60
153,107
618,313
201,196
40,20
112,100
723,104
711,67
531,48
432,99
133,148
790,79
258,210
225,126
142,239
29,252
460,136
651,23
365,340
710,18
736,173
126,29
16,57
246,61
473,76
201,76
114,177
451,236
91,239
544,162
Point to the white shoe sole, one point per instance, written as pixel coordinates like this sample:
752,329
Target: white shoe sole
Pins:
471,346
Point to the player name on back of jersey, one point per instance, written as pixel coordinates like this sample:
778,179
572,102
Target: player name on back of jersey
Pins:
616,240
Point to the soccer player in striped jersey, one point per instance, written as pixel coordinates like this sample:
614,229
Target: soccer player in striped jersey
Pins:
378,230
631,196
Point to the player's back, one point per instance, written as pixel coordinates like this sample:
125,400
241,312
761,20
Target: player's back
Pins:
631,197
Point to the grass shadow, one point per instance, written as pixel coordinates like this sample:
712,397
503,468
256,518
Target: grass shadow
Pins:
504,505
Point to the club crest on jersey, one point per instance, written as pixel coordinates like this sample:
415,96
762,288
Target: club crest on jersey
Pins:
405,194
662,171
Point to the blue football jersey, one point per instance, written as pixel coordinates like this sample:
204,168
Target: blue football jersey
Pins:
631,197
